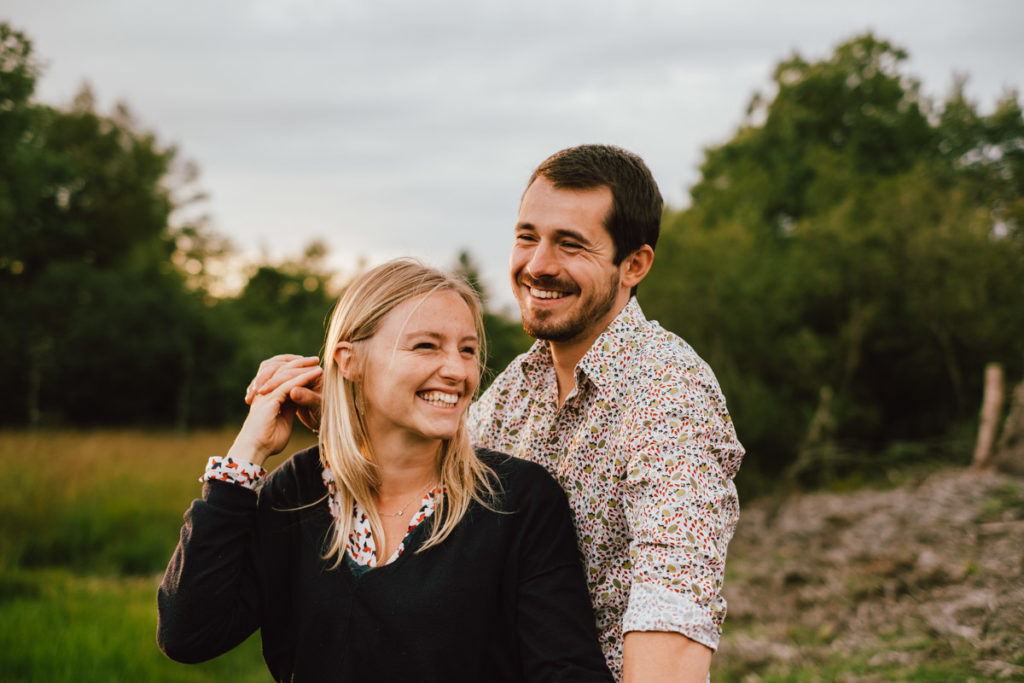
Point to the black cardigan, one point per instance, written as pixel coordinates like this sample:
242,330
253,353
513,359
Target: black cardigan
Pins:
502,599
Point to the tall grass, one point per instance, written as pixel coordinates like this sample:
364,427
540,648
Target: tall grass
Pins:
88,520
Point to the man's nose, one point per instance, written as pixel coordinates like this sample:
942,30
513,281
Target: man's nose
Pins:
543,261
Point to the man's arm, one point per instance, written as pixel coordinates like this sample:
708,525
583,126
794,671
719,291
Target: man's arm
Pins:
661,657
681,508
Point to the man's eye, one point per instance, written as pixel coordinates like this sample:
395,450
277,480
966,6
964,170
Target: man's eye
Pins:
571,245
523,237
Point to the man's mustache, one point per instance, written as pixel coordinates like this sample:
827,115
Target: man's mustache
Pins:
549,283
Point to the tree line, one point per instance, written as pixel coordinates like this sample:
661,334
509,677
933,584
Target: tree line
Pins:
849,262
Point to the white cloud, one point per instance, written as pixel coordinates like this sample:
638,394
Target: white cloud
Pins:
396,125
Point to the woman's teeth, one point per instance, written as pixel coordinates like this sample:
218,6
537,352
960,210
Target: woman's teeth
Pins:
440,398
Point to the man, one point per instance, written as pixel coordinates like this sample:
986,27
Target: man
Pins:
625,415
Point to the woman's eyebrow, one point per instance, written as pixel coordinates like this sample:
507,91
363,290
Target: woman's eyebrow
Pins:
422,333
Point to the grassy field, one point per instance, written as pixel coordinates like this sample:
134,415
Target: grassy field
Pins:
88,521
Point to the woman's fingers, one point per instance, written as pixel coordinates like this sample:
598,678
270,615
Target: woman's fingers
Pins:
269,425
277,370
308,402
304,377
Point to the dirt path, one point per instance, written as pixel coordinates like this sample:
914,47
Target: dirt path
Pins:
923,582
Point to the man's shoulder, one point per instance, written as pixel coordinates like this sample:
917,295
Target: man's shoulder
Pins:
513,374
511,379
657,357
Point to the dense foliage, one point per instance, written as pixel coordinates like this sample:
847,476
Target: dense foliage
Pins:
106,292
850,261
103,320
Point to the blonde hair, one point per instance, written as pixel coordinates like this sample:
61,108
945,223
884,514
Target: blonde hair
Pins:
345,448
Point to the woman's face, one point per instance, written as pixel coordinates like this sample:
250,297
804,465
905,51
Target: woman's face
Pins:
420,370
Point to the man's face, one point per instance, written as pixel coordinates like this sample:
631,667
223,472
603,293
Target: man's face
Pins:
561,265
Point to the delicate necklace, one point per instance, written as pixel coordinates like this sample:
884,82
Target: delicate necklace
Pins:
404,507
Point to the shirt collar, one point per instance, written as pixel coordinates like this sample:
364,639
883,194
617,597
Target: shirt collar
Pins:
602,362
600,358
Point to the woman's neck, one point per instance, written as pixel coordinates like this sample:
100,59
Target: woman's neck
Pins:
406,467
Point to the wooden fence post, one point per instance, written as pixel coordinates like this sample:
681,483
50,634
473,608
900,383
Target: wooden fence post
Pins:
1009,455
991,409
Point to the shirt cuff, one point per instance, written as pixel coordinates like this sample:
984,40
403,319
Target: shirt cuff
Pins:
224,468
655,608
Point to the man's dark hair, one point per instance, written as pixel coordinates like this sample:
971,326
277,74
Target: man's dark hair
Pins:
635,217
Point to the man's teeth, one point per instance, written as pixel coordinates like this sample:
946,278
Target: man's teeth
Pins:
545,293
440,398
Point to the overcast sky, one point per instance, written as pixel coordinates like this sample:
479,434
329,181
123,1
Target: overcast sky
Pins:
391,127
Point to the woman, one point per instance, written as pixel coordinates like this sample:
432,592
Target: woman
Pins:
392,551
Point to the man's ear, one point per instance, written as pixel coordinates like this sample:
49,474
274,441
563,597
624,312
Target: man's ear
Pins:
345,359
635,267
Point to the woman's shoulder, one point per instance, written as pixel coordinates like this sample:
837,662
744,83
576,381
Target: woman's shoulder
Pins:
518,476
298,477
302,464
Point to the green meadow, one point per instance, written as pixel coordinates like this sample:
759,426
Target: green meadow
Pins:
88,520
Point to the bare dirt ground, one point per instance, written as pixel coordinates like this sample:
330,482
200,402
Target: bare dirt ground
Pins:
922,582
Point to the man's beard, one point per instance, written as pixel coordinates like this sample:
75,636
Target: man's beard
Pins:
577,323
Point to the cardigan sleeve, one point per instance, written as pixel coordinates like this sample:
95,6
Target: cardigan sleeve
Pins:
555,620
209,599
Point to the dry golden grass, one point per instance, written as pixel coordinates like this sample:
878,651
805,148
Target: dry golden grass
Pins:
102,500
88,520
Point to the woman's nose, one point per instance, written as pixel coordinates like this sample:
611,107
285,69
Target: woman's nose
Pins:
453,366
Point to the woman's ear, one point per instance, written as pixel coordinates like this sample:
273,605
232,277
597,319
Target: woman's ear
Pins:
344,358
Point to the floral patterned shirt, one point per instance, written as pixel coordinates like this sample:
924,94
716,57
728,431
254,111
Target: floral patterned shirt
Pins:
646,451
360,547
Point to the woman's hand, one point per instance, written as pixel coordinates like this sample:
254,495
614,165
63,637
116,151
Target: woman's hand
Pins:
268,426
274,371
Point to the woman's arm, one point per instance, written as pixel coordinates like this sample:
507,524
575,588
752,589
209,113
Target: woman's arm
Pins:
210,599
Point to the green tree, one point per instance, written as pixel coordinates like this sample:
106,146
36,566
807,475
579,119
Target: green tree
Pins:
99,325
851,260
283,308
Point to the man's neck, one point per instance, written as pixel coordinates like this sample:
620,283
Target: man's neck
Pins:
566,355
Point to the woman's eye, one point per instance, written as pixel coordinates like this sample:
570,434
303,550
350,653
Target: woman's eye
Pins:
423,345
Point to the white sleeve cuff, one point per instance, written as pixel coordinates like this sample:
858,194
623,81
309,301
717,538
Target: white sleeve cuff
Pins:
655,608
223,468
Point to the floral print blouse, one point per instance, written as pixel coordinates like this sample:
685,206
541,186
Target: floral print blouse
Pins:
361,547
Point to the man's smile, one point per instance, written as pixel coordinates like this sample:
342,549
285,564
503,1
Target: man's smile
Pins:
546,293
